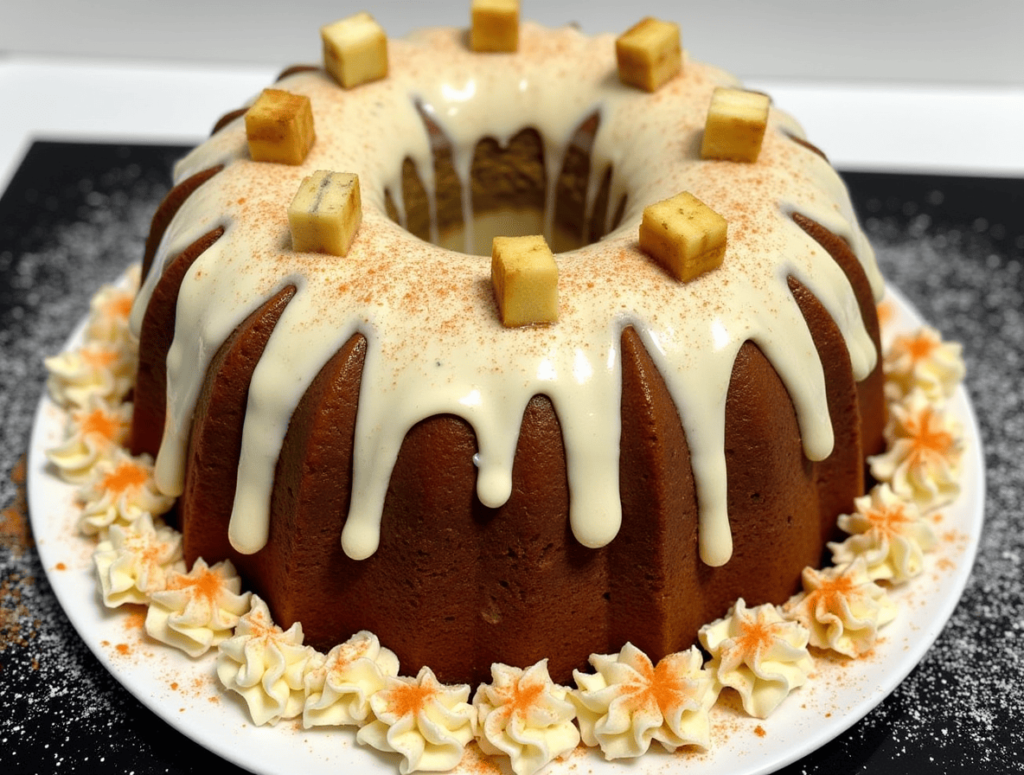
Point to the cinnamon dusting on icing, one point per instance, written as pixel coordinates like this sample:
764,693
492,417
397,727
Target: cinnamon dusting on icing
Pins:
404,336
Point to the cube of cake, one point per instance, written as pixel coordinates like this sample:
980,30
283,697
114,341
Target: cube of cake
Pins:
684,235
649,54
525,279
495,25
325,214
279,126
355,50
734,129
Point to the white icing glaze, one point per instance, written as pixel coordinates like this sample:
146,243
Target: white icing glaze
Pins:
434,341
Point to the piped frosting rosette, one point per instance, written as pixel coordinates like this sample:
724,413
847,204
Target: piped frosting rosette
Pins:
265,665
197,610
96,370
110,309
524,715
339,685
94,433
842,608
922,361
135,560
119,490
759,654
629,702
888,533
427,722
924,449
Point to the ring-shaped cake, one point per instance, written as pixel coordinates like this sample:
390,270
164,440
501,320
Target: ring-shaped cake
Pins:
374,450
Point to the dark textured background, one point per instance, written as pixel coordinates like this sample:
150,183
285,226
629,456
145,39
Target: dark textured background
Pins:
75,215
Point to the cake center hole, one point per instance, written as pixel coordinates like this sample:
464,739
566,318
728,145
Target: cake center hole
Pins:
506,192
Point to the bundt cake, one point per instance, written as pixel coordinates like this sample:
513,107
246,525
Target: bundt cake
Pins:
373,450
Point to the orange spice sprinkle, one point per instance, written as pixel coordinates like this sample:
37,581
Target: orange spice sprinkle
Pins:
119,307
206,583
127,477
100,423
260,626
755,635
667,686
350,651
919,346
889,520
151,554
520,697
929,439
831,592
409,698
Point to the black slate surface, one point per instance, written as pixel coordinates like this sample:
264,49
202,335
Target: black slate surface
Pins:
75,215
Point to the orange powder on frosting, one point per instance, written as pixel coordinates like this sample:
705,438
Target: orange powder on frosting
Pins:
119,307
520,697
409,698
929,439
100,423
660,688
831,592
889,520
15,535
755,636
97,357
127,477
206,584
919,346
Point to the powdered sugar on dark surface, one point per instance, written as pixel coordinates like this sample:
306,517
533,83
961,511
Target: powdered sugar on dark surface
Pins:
75,216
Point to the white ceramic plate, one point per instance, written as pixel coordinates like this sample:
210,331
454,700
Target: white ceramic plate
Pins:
186,694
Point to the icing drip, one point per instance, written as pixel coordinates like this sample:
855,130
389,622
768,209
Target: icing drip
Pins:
419,305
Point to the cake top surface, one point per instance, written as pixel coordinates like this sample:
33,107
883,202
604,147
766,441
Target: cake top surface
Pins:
435,342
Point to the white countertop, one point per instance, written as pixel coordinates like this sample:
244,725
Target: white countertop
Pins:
955,129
